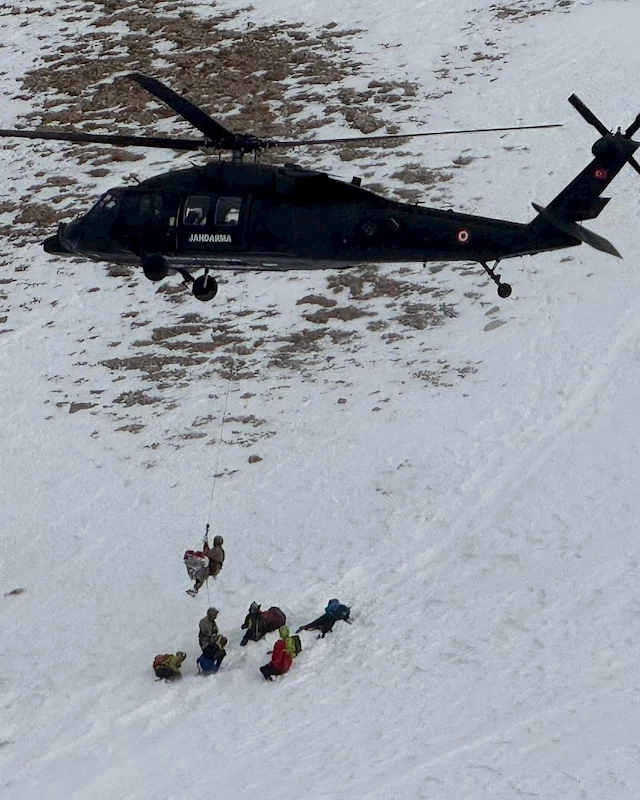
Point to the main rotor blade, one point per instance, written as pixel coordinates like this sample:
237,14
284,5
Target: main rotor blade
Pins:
112,139
391,136
588,115
218,135
634,164
633,128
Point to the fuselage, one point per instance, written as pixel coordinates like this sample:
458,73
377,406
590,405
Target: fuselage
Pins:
233,216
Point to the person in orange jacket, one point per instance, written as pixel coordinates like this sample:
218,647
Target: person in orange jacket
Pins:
281,657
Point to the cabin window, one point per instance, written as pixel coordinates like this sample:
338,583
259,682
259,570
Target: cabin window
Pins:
142,209
196,210
228,211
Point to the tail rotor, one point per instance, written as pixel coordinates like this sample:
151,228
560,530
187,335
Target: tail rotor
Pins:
582,198
591,118
588,115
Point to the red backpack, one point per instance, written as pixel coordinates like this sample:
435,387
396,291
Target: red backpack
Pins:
158,661
273,618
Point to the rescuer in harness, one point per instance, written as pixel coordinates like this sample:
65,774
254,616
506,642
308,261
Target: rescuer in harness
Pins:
205,563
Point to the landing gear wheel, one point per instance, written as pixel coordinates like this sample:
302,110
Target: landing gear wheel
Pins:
504,289
205,288
154,268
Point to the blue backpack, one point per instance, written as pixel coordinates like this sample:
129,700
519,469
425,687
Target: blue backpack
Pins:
337,610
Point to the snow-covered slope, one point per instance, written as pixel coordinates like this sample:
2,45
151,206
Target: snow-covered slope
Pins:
460,470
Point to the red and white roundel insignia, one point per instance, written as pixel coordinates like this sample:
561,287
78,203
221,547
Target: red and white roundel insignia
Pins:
600,174
463,236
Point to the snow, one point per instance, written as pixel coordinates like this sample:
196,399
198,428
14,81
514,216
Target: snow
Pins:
484,530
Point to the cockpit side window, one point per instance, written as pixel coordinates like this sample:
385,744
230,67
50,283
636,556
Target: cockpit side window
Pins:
196,210
228,210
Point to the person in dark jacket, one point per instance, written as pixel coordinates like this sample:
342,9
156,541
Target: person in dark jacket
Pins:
208,628
258,623
334,611
281,657
252,625
212,656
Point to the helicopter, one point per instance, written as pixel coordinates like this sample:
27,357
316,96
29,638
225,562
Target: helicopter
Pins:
235,215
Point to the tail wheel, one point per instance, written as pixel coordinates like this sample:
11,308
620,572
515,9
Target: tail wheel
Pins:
154,268
504,290
205,288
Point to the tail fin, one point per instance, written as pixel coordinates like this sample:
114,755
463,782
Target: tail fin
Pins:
581,199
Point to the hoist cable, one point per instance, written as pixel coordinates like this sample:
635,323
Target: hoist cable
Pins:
226,403
222,421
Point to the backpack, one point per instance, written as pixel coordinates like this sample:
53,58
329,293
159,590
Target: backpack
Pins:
337,610
296,646
273,618
161,669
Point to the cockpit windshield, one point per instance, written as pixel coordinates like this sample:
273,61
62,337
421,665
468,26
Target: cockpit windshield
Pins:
106,207
93,232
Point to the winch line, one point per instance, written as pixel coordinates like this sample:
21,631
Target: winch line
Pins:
224,415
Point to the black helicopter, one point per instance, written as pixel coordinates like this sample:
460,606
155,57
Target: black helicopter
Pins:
234,215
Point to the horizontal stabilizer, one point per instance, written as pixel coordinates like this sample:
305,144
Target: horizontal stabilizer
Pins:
584,212
576,231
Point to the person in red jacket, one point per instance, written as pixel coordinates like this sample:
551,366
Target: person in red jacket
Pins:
281,657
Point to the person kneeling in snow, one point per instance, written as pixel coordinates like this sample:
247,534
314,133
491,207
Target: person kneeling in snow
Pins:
258,623
212,656
284,651
167,666
334,611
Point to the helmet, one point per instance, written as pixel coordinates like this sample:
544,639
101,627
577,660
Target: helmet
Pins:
212,612
217,540
180,654
222,641
254,608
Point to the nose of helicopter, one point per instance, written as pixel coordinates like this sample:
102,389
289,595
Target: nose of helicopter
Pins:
54,244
